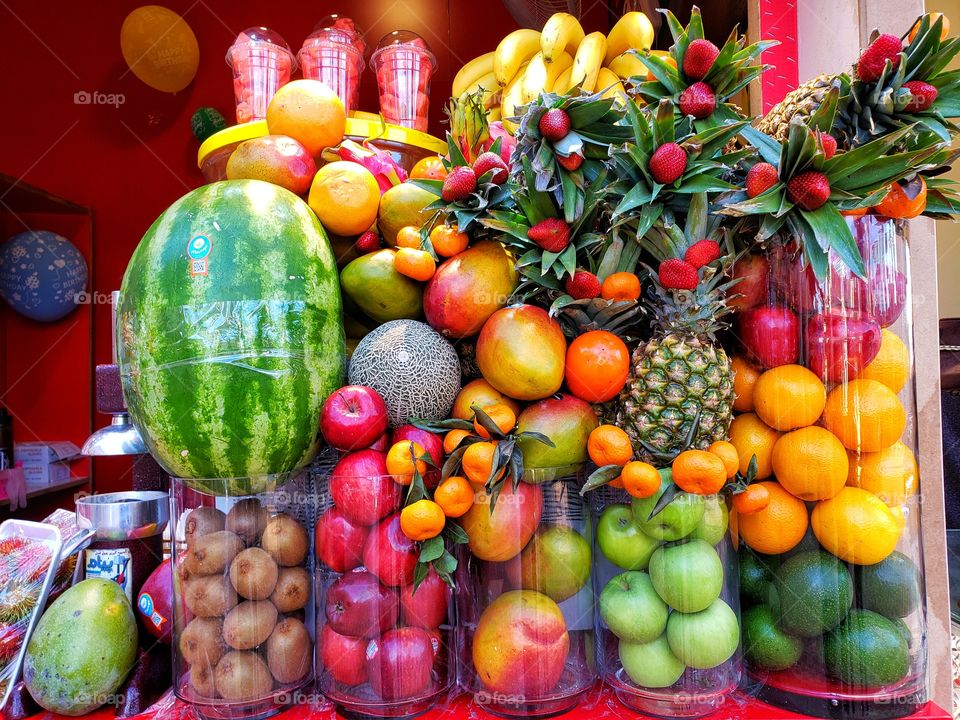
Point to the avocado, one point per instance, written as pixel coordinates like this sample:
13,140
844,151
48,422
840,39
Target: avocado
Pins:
867,650
815,591
891,587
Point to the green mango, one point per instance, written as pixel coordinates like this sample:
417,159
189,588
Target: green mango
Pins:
374,285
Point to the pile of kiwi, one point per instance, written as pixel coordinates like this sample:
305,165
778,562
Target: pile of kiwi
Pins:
243,581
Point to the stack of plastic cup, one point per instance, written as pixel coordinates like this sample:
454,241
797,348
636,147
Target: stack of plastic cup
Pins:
262,63
404,66
333,54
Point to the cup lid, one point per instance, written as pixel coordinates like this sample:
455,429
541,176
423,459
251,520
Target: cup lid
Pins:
405,40
339,29
255,36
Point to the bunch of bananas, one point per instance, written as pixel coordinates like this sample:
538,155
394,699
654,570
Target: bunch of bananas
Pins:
556,59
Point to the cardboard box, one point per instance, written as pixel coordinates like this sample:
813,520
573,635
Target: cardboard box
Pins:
45,463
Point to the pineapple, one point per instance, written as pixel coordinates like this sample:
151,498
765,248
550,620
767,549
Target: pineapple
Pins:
802,103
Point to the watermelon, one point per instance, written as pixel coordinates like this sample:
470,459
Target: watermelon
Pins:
230,335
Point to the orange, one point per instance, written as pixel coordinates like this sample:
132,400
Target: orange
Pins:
447,240
479,392
609,445
856,526
415,264
664,55
409,237
944,30
865,414
891,366
478,461
744,379
810,463
620,286
754,499
429,168
452,440
890,474
699,472
345,196
311,113
422,520
751,436
727,452
454,495
778,527
640,479
400,464
597,366
788,397
502,416
904,201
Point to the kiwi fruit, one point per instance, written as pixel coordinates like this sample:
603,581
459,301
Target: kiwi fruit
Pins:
209,596
289,651
203,521
254,574
300,615
243,676
201,642
247,519
249,624
202,680
292,590
212,554
285,539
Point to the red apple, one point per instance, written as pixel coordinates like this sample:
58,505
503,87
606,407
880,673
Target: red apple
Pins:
399,664
358,605
153,605
426,606
770,335
361,488
344,657
753,288
430,442
382,444
886,295
840,344
339,541
353,417
794,282
389,554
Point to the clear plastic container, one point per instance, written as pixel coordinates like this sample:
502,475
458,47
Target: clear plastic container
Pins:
262,63
668,612
243,594
834,620
404,66
525,599
333,54
384,649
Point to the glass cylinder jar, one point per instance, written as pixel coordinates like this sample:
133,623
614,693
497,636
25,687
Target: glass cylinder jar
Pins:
668,621
243,595
385,648
524,597
832,569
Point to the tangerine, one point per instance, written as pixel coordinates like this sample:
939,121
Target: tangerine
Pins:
481,393
788,397
904,200
699,472
754,499
640,479
597,366
777,528
429,168
400,461
752,437
415,264
810,463
944,29
452,440
477,461
447,240
865,414
422,520
620,286
454,495
609,445
409,237
502,416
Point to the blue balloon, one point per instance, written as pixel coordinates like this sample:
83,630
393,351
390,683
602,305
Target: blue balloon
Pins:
42,275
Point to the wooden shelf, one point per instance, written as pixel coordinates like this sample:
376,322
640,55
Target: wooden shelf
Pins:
72,482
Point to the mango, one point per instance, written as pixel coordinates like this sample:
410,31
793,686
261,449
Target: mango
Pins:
82,649
403,205
374,285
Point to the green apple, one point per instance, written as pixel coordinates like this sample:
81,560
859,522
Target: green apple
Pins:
688,576
632,609
621,541
704,639
713,524
555,562
678,519
651,664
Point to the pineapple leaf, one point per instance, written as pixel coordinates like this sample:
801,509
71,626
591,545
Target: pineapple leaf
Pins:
827,222
663,127
586,114
454,153
823,118
770,150
638,195
432,186
665,73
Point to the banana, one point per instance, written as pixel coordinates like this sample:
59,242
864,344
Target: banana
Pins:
588,61
562,85
471,72
561,33
633,31
512,52
511,101
491,89
540,77
626,66
610,84
493,114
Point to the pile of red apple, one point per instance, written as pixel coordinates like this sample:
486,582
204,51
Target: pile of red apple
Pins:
379,636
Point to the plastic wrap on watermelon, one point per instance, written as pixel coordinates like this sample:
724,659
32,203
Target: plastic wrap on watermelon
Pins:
385,169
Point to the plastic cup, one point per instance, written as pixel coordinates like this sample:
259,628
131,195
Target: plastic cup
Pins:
262,63
404,65
333,54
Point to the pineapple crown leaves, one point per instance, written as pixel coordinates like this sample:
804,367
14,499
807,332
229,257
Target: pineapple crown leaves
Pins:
486,197
641,199
468,123
857,178
576,317
595,124
735,67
